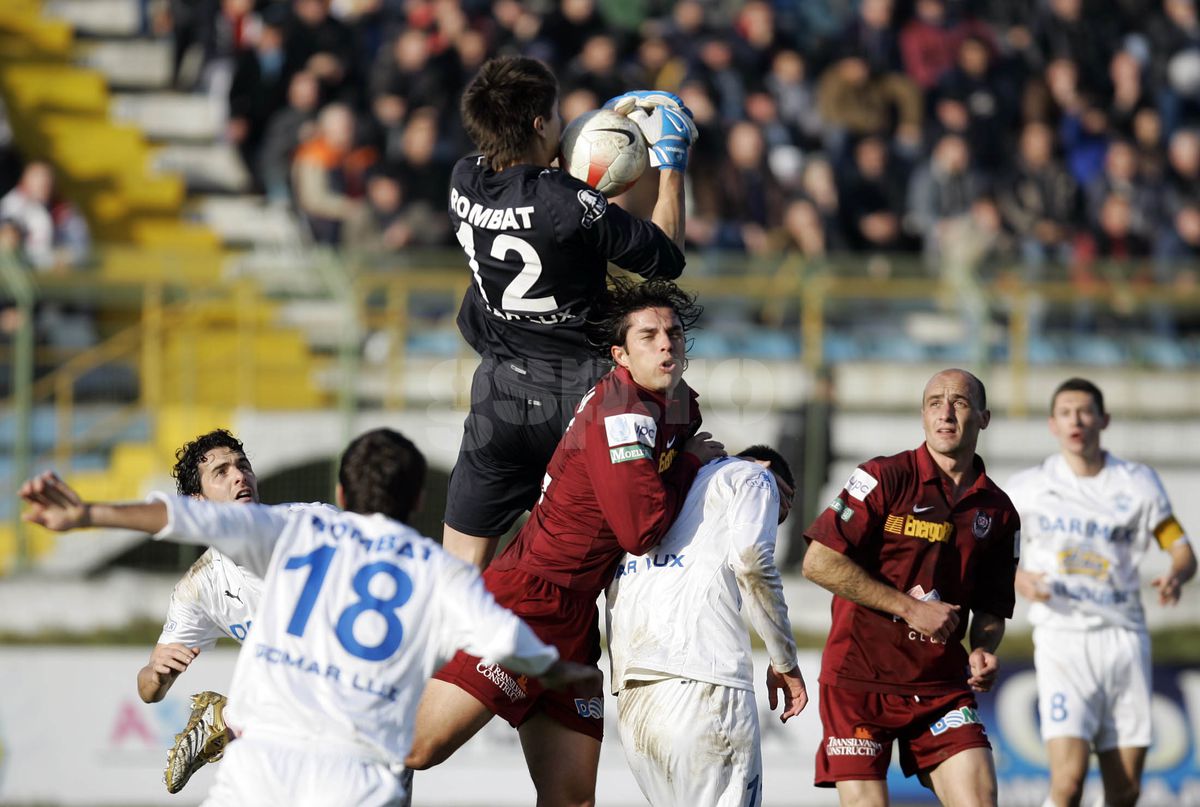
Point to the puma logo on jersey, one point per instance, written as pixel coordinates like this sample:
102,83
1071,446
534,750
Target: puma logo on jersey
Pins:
233,596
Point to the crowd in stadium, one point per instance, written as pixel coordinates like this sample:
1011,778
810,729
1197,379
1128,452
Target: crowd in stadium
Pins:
1033,130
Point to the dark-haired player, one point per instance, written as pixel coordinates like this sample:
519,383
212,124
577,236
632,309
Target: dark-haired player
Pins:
1090,518
681,664
615,484
216,597
538,242
913,544
357,610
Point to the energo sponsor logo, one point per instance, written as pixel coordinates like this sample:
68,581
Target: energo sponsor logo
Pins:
932,531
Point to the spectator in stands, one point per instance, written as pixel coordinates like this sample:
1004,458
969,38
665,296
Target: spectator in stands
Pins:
1130,95
872,37
941,190
655,65
1180,236
745,208
812,218
595,68
567,27
257,92
759,38
323,45
873,198
793,92
327,175
986,99
1174,38
716,70
425,176
686,29
1085,135
1062,30
855,102
224,37
383,227
1148,140
1038,200
286,129
53,234
1121,177
930,42
405,77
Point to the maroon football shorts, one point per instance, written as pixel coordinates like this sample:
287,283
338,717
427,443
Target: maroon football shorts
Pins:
566,619
860,727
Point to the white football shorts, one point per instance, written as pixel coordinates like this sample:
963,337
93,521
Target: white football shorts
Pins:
689,743
1095,685
257,772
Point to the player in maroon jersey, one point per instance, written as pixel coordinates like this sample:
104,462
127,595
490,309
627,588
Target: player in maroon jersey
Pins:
913,543
615,484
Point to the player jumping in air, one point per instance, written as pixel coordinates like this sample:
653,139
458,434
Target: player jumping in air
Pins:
538,242
615,485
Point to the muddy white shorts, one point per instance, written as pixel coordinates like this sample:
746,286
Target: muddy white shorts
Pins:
689,743
257,772
1095,685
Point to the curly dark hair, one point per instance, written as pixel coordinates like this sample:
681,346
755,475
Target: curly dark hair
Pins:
500,103
189,457
382,472
608,321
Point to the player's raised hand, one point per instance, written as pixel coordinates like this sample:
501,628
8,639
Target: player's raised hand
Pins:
1032,585
933,618
665,122
705,448
984,667
53,503
564,674
795,694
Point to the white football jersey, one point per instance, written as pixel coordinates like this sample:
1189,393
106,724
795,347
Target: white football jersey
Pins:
214,598
676,611
1088,535
356,613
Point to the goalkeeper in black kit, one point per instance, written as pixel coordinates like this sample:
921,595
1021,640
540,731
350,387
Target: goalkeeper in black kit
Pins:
538,242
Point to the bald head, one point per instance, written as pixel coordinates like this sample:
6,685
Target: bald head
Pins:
978,392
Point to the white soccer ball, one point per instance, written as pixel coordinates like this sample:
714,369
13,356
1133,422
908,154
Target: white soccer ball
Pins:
605,150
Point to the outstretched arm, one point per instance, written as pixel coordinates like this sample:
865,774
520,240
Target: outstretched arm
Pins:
56,506
841,575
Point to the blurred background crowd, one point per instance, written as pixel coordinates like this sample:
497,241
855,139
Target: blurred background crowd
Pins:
1050,139
1046,130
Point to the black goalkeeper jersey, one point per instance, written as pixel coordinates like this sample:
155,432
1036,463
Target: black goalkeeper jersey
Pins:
538,242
